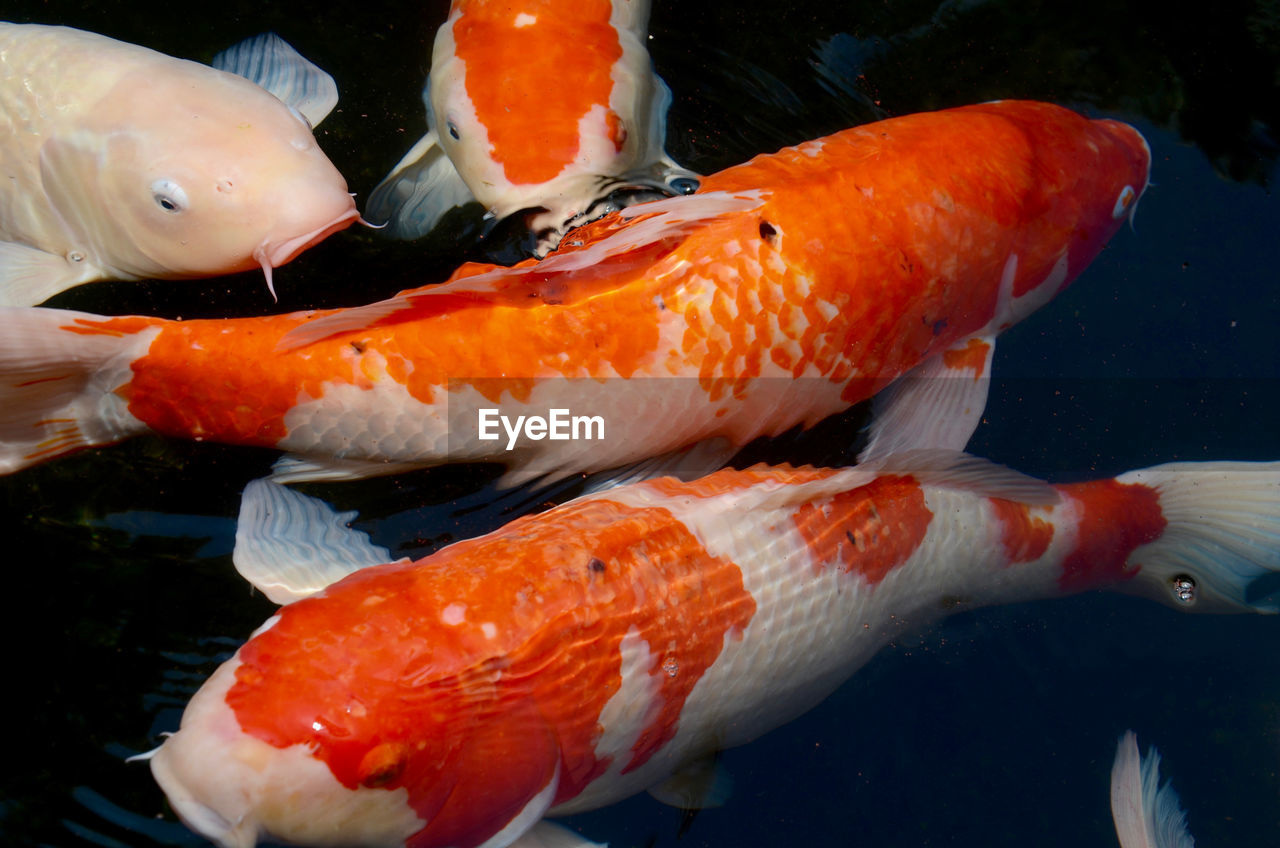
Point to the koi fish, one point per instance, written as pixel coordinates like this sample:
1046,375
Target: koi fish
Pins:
124,163
1146,814
500,134
788,289
615,643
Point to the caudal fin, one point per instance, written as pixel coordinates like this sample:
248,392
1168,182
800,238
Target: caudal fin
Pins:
1146,814
58,370
1220,548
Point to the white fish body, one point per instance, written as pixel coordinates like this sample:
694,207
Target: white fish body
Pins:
125,163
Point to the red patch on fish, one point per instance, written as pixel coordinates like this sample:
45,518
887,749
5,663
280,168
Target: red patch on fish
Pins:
477,671
732,480
1023,537
870,530
566,63
1115,519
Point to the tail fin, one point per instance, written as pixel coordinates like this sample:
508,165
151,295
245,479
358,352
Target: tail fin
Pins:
1220,549
58,373
1146,814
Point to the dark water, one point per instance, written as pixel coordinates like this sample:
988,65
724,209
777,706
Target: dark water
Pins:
996,728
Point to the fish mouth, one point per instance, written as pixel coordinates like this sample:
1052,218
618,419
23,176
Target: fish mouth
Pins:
278,253
270,254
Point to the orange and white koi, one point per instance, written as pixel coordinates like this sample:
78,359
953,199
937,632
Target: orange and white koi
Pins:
612,644
540,105
788,289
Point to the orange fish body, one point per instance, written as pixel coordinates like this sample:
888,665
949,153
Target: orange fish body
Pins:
787,289
579,656
540,104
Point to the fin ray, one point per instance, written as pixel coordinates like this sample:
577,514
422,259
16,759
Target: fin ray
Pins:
272,63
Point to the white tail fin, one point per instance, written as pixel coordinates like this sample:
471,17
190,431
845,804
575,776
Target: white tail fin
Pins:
1220,549
58,373
1146,814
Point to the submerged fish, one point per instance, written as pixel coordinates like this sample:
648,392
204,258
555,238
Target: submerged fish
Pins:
546,106
613,644
790,288
124,163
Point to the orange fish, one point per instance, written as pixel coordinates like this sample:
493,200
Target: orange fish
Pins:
542,106
615,643
786,290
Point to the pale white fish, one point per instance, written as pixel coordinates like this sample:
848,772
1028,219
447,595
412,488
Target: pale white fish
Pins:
124,163
1145,813
552,107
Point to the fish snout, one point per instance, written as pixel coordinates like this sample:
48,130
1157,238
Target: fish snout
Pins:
202,772
274,251
285,244
234,788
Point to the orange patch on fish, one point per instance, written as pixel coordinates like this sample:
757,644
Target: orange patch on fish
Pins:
1023,537
870,530
731,480
423,675
566,64
1115,519
971,357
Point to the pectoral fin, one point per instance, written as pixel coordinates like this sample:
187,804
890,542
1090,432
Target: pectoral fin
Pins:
29,276
271,62
937,404
290,545
700,785
418,192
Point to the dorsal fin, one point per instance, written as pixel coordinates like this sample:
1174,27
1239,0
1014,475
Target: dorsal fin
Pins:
272,63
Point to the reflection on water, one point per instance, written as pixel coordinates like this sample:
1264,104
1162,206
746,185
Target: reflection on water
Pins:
995,728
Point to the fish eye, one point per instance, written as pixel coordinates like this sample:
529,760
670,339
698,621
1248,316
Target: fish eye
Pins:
169,196
453,130
1123,202
684,185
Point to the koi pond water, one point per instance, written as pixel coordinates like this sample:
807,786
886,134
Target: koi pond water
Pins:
996,727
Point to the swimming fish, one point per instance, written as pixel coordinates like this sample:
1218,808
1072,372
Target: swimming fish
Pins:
1146,814
542,105
124,163
788,289
613,644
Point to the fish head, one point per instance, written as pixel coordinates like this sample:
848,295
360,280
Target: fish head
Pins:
342,721
1081,184
539,111
199,173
